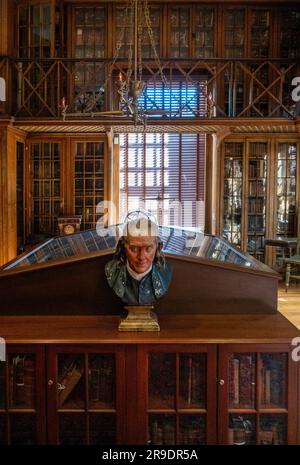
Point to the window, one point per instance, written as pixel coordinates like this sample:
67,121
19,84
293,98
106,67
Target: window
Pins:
184,97
164,173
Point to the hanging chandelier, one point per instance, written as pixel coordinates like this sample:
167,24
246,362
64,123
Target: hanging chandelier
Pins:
131,86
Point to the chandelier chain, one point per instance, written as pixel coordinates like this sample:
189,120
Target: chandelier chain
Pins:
152,42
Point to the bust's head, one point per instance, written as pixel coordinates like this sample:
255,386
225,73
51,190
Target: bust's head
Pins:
140,247
140,244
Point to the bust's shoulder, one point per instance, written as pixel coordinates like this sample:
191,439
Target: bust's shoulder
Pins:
113,268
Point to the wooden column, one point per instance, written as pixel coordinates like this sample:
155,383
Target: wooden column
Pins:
3,27
211,184
8,201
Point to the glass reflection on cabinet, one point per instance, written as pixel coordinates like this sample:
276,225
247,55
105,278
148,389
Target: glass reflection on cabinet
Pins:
232,196
286,189
162,380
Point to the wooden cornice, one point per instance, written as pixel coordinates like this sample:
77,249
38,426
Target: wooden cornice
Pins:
120,124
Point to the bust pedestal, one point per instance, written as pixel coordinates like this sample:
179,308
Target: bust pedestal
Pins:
139,318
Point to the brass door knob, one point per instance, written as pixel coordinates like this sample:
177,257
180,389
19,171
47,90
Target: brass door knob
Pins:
50,382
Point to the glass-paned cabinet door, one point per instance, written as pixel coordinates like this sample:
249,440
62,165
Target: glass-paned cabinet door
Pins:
2,386
289,33
177,401
22,383
22,410
260,32
88,181
232,191
234,30
286,189
89,41
45,160
204,24
257,393
87,402
257,198
179,32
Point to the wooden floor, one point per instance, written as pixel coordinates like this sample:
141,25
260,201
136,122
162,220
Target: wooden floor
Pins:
289,303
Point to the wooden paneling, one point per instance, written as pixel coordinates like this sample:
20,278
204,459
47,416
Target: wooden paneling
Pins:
80,287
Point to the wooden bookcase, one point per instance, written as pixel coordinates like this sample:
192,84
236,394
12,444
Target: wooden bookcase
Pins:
258,193
22,396
64,176
202,380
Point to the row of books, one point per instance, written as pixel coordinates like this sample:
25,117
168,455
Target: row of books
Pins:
244,437
257,168
242,381
257,188
256,205
101,382
256,224
68,379
273,378
193,381
163,432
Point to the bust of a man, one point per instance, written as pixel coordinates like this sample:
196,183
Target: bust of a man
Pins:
139,273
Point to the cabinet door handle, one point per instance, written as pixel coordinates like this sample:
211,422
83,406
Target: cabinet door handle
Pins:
50,382
221,382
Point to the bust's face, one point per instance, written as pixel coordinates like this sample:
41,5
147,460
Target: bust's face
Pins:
140,252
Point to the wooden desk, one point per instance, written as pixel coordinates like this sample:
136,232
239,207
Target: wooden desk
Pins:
283,242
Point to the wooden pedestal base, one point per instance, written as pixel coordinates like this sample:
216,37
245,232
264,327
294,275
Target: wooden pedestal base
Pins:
139,318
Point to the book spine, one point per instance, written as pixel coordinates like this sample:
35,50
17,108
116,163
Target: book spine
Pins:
236,384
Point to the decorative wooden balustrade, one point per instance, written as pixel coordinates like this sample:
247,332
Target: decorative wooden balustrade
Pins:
194,88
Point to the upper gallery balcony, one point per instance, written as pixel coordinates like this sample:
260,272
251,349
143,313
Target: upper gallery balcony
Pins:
189,91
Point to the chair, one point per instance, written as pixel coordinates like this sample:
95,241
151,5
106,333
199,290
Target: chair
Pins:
292,269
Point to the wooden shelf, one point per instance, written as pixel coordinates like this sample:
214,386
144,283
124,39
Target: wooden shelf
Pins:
174,329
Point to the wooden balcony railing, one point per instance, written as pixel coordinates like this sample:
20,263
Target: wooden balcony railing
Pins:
222,88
